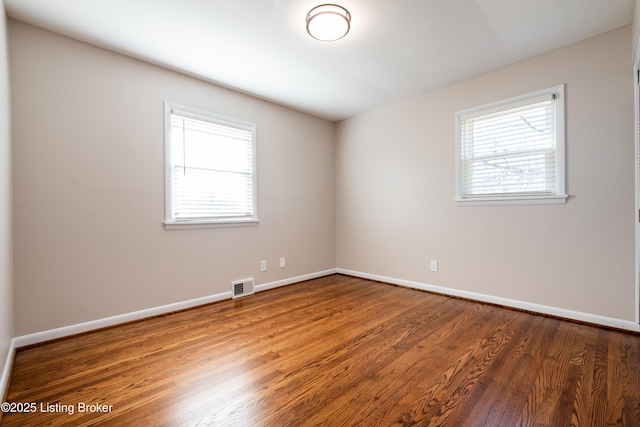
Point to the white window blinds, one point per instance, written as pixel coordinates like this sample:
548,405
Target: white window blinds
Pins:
212,173
510,149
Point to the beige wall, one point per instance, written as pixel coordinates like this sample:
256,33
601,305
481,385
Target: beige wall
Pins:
636,32
396,185
89,182
89,202
6,289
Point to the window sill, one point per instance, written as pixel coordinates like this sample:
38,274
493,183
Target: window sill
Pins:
193,225
513,200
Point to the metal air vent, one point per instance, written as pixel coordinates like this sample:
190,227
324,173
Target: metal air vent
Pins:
241,288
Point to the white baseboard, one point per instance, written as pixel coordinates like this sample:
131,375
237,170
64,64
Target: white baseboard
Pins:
6,372
522,305
65,331
78,328
293,280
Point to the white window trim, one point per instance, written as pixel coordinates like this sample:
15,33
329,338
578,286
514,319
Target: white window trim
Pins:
171,224
560,196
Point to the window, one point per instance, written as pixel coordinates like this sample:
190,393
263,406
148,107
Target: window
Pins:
210,172
512,151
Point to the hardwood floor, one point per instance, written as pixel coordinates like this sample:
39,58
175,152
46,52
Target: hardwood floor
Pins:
335,351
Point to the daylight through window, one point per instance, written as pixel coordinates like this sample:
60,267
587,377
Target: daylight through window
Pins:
513,151
211,168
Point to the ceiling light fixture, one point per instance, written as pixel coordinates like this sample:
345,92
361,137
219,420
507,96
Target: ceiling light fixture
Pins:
328,22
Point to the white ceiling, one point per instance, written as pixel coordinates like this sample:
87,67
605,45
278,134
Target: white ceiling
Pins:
396,48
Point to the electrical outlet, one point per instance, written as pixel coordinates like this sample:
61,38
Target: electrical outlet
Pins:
282,263
263,265
434,265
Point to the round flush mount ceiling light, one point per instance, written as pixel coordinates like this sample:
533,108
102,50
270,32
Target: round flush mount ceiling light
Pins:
328,22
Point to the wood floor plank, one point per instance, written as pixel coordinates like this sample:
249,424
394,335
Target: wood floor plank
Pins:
335,351
437,402
503,390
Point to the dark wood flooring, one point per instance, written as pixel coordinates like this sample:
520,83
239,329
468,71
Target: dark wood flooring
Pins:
334,351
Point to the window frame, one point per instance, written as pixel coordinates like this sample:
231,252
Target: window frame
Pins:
170,222
558,196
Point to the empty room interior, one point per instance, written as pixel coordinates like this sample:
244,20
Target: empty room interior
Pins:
215,213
